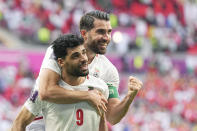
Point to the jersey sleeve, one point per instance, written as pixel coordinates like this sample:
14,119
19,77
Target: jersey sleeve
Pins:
34,104
49,61
104,86
113,82
106,92
113,77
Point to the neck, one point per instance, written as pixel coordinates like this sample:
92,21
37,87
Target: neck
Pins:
72,80
90,55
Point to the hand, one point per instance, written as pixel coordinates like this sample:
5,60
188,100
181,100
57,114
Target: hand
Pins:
134,85
98,101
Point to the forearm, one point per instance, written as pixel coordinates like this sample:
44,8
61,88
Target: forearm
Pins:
116,111
22,120
49,90
18,127
60,95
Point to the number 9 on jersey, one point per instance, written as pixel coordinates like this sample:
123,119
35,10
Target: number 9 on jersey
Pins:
79,117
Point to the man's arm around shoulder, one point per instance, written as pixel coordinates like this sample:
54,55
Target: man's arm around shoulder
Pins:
49,90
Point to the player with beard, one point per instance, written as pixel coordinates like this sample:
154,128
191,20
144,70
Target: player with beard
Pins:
71,56
96,30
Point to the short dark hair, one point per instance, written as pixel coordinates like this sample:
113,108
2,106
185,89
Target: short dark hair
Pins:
87,20
63,42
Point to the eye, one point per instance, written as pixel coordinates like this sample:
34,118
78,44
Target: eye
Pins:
101,31
109,31
75,55
84,51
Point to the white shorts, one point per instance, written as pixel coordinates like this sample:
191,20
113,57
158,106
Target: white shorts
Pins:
36,125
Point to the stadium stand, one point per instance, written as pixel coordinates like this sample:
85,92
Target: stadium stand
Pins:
155,40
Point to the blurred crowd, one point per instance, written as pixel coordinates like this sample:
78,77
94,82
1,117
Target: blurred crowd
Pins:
167,101
16,84
148,25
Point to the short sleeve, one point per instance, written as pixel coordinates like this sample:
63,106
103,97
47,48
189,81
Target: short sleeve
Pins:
112,77
34,104
49,61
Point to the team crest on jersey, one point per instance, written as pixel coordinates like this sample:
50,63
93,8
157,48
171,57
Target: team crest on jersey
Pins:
33,96
96,73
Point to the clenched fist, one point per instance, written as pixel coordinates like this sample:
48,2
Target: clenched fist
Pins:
134,85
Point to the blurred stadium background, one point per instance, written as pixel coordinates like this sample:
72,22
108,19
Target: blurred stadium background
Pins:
155,40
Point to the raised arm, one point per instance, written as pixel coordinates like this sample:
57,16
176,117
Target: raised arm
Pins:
117,109
22,120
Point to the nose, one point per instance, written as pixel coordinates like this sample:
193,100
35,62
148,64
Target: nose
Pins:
107,37
84,57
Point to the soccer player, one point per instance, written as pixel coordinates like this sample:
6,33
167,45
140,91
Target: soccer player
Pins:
96,30
72,59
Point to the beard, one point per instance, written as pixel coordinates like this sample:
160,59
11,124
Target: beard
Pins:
95,46
77,71
80,73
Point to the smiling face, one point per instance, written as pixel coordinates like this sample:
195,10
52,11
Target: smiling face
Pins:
76,62
98,38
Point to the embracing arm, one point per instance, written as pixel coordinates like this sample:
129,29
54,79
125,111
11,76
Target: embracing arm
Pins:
22,120
49,90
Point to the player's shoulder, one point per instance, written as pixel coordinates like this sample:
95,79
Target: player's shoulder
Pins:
99,84
63,84
49,49
103,58
96,81
105,61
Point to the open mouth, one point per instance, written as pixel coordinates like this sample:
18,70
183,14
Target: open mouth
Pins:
84,66
103,46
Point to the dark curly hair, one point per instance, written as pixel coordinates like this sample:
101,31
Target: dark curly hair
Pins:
87,20
63,42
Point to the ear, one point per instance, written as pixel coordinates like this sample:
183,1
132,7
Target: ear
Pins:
83,34
60,62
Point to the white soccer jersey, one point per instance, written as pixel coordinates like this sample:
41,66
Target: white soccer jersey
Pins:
50,62
100,67
69,117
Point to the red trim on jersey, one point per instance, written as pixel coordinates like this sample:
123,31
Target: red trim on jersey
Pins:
96,55
87,77
38,118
